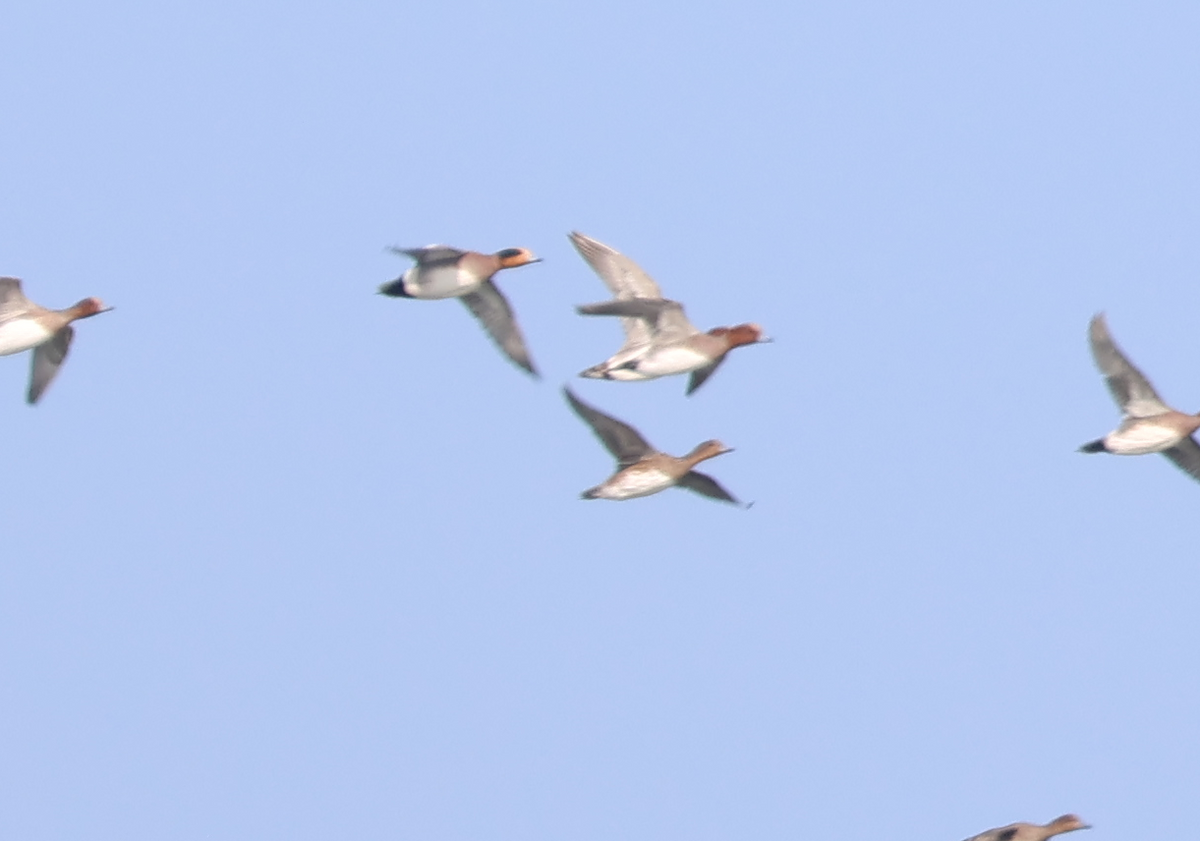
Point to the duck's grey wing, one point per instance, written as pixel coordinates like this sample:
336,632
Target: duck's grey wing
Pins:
706,485
47,359
12,300
1129,386
699,376
1186,455
489,306
647,309
431,254
667,317
638,328
624,442
623,277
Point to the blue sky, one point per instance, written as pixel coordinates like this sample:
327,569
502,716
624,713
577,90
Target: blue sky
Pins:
288,560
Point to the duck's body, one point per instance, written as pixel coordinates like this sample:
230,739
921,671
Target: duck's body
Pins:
641,479
1031,831
444,272
1149,425
641,469
652,363
1142,436
22,334
660,341
25,325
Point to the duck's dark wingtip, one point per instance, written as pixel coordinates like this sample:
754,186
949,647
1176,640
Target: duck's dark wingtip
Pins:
393,289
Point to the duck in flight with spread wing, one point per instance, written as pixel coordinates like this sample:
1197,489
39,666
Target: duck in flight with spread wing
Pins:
659,339
445,272
1032,831
1149,425
641,469
48,333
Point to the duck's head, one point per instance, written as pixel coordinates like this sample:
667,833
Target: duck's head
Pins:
1068,823
87,308
710,449
741,334
510,258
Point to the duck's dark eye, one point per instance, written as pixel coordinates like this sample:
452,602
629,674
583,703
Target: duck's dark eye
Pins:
509,253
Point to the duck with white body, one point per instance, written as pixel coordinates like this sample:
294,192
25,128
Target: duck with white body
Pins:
1149,425
25,325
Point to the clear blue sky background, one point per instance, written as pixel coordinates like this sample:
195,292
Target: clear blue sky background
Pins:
284,559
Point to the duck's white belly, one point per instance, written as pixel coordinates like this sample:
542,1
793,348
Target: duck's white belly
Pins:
635,483
439,282
1141,438
671,360
21,334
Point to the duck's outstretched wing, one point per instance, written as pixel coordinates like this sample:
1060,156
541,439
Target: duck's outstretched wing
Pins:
12,300
431,254
623,277
1186,455
488,305
47,359
667,319
699,376
1129,386
624,442
706,485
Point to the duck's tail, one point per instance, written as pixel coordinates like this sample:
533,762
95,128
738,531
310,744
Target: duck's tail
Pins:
1096,446
596,372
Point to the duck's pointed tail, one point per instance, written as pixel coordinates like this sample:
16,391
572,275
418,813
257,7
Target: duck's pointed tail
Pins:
596,372
1096,446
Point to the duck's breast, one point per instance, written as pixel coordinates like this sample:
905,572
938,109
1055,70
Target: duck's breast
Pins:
21,334
634,482
433,283
672,359
1143,436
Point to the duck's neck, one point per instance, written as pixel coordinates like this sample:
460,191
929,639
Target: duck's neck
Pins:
701,453
82,309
